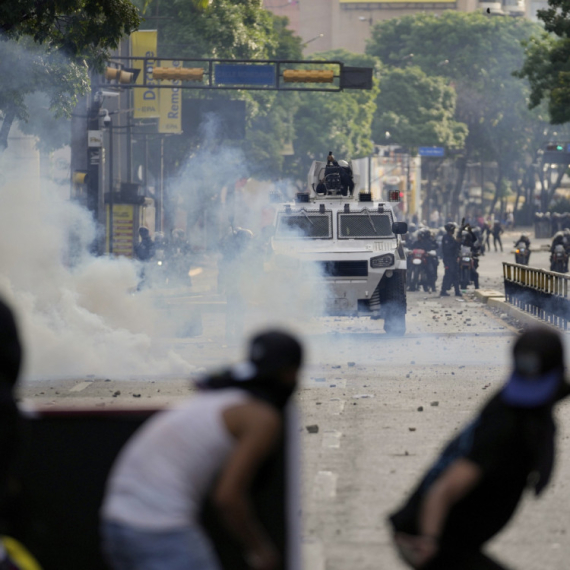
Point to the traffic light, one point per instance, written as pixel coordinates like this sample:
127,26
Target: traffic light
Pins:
555,147
124,76
556,153
308,75
178,73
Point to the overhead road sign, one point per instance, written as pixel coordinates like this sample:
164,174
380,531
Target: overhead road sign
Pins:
244,74
248,74
435,151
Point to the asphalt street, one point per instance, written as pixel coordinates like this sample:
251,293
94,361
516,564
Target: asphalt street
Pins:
383,407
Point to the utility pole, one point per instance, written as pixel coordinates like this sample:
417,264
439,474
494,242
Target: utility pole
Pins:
111,192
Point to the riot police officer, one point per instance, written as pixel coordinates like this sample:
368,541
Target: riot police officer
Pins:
450,247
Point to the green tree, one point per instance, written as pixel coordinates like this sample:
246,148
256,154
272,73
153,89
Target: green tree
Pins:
547,62
49,46
478,55
417,110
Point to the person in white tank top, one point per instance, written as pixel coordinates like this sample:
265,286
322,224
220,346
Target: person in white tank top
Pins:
161,478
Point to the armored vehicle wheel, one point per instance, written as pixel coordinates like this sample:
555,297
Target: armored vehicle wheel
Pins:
394,301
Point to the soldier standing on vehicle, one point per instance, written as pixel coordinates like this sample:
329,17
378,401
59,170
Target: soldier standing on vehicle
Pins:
471,492
212,445
450,251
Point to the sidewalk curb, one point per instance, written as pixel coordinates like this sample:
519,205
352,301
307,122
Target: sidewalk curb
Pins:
518,314
484,295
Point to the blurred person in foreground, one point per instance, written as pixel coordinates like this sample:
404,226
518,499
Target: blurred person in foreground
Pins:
212,445
475,486
10,359
13,556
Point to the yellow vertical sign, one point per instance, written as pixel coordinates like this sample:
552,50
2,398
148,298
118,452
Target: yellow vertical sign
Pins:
143,44
123,229
170,103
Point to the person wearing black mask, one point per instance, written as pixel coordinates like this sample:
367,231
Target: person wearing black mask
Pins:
473,489
218,439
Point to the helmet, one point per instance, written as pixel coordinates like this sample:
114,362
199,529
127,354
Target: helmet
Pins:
159,238
411,228
343,163
450,226
143,232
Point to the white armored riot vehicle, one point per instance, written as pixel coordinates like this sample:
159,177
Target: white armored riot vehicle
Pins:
352,240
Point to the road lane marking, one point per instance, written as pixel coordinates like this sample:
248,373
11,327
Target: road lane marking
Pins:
325,485
80,386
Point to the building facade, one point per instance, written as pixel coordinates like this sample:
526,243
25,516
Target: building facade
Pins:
332,24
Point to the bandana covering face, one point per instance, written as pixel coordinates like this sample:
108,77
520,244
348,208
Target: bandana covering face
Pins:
245,376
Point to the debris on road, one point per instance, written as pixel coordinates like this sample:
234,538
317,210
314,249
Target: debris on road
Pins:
313,428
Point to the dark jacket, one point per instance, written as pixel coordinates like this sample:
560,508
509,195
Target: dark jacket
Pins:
144,250
449,249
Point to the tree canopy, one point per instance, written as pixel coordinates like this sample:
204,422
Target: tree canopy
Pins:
416,110
49,46
547,62
477,55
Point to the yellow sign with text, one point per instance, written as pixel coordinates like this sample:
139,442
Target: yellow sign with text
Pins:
146,104
123,229
170,103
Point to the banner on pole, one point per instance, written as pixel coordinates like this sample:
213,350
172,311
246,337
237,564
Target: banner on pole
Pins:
169,120
146,103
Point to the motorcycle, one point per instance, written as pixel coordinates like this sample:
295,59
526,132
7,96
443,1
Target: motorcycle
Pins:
522,253
559,259
421,274
465,266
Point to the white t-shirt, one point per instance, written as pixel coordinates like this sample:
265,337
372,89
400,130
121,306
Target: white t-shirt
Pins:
165,471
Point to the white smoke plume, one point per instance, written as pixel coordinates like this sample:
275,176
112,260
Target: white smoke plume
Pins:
74,321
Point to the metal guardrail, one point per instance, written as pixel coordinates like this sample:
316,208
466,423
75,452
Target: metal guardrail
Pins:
544,294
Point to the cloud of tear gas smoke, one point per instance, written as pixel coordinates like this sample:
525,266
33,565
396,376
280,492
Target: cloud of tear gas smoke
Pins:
273,295
74,321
